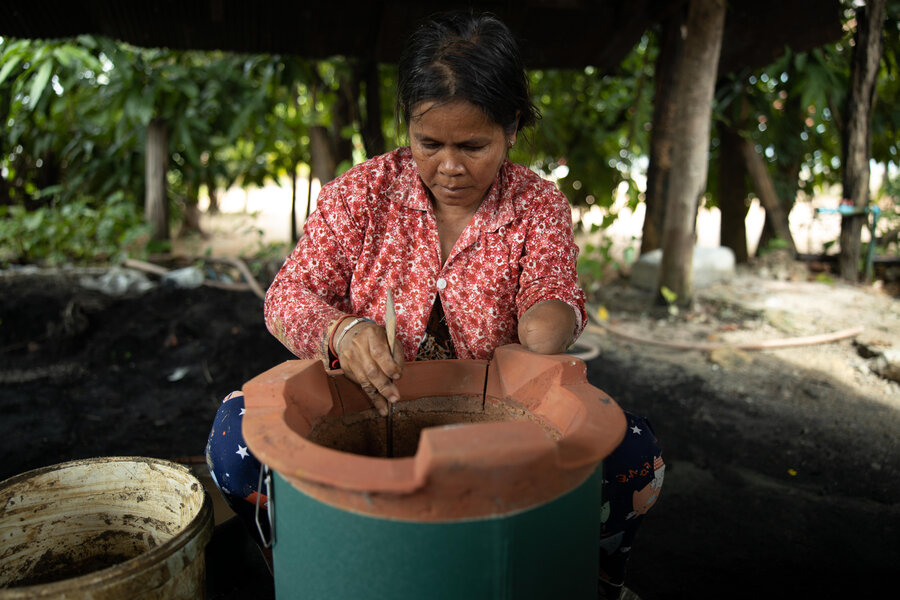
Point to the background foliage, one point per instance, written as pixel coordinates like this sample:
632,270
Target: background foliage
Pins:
75,115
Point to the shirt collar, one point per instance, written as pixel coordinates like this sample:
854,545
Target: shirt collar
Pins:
496,210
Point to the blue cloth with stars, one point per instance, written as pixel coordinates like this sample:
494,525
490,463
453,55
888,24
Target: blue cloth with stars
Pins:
234,469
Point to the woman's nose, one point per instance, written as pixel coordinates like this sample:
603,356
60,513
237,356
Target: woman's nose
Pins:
450,163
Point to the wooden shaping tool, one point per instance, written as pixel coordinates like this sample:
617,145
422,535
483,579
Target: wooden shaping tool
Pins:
390,325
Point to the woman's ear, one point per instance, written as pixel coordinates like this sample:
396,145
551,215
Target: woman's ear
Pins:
511,138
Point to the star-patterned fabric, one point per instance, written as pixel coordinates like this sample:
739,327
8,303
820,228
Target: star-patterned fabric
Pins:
233,467
374,230
632,479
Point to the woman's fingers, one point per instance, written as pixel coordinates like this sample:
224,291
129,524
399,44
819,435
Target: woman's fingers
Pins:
377,399
366,359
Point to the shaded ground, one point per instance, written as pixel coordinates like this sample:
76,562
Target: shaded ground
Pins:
783,476
783,466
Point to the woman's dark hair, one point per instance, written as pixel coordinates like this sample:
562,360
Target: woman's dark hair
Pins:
463,56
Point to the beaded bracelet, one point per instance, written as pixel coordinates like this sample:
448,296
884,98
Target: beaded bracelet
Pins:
356,321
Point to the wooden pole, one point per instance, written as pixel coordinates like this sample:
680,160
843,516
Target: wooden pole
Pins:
765,190
857,136
662,132
694,88
156,201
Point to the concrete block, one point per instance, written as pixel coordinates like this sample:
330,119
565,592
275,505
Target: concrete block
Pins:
710,265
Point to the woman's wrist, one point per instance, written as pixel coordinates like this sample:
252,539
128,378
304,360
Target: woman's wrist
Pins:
343,327
333,330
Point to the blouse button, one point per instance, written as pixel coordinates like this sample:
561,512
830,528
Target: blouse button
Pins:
441,283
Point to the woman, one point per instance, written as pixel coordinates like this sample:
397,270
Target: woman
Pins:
478,252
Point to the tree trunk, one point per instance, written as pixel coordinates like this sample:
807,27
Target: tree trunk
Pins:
5,196
766,235
309,199
330,148
857,137
370,127
294,235
788,177
342,116
662,134
732,192
190,222
324,163
213,199
765,190
212,190
156,202
693,94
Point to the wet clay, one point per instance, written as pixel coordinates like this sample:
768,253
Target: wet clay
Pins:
365,432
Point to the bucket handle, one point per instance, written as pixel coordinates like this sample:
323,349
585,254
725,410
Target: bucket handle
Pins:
264,474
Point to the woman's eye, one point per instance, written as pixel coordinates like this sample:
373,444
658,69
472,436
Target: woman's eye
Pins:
473,148
430,145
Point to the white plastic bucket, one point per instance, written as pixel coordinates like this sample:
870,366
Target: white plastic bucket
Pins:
104,528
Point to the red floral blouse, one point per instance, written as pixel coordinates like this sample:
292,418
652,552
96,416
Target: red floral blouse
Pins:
374,229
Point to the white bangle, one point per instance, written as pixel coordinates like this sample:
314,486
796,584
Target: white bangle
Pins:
356,321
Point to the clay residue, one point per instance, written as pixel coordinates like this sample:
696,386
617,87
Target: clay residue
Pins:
365,432
75,557
53,567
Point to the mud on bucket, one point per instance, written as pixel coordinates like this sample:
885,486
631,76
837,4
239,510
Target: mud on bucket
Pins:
491,489
112,527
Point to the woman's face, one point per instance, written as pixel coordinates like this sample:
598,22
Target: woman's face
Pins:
458,151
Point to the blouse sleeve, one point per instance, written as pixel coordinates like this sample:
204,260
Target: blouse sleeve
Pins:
311,292
548,270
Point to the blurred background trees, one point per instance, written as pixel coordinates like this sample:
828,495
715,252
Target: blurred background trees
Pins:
77,113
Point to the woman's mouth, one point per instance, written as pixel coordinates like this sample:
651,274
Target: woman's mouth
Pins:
453,191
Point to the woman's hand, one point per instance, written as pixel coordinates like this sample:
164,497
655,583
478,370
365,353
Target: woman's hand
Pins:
366,359
548,327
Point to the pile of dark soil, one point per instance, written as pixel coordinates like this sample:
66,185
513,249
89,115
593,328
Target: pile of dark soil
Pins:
781,482
84,374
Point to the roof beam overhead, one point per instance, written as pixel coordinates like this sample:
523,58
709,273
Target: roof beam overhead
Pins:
554,33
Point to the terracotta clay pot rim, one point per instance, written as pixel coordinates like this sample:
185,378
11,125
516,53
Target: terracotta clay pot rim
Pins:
587,435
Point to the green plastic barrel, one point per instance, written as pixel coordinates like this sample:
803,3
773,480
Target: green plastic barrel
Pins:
550,551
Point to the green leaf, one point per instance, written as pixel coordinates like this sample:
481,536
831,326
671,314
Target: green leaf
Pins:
668,295
68,54
189,88
8,66
40,82
139,107
184,137
87,41
50,191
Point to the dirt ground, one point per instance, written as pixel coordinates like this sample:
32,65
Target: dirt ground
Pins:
783,465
